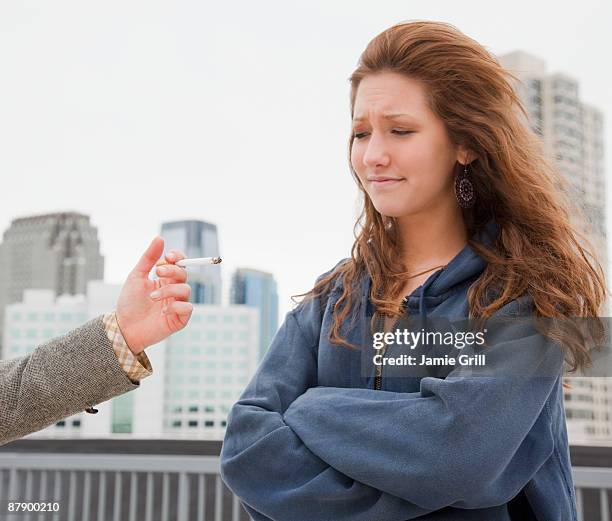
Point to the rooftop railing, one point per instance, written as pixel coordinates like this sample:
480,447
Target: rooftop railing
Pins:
178,480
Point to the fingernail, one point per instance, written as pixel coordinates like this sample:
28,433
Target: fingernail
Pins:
162,271
156,294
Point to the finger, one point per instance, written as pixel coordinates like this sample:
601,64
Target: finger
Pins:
179,307
178,291
172,272
178,255
149,257
174,256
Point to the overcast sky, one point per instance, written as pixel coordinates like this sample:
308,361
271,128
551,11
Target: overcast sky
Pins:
236,113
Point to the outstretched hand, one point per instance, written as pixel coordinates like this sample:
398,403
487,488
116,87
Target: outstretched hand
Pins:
150,310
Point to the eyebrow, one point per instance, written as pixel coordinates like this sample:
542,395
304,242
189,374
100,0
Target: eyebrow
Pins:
387,116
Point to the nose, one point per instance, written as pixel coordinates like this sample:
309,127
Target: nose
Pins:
376,153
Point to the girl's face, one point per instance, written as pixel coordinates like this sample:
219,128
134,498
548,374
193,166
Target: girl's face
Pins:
397,137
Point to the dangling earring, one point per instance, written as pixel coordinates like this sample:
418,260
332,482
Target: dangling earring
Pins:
464,189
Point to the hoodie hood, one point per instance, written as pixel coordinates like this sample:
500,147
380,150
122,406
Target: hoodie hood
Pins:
465,267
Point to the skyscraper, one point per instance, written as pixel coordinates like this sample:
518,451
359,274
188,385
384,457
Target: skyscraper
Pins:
199,372
257,289
197,239
57,251
40,316
572,133
207,366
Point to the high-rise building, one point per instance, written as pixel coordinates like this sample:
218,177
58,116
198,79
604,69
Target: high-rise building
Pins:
197,239
58,251
41,316
198,373
588,409
572,133
208,364
257,289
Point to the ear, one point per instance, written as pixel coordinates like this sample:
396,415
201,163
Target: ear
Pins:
465,156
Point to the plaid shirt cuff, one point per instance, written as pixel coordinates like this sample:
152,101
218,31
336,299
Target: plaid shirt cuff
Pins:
137,366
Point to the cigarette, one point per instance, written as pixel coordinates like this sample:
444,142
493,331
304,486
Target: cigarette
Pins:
200,261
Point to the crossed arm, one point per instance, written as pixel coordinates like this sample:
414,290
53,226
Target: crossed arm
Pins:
295,451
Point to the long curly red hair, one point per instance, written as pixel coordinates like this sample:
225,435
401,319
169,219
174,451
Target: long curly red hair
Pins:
539,251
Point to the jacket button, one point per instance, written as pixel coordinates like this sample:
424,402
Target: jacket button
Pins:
91,410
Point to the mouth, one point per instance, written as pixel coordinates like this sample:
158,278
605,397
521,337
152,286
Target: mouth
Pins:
385,182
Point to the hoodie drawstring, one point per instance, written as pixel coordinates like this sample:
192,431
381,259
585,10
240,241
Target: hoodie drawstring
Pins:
422,307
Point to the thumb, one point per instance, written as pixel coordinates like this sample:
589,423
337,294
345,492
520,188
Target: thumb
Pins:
149,257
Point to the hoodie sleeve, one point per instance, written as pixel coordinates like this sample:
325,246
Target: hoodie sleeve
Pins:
269,468
463,441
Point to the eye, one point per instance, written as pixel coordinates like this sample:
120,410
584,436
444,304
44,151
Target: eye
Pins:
360,135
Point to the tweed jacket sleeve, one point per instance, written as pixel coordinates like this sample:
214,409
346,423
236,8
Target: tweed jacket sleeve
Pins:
59,378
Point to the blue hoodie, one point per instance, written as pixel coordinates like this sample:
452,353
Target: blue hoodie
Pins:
310,439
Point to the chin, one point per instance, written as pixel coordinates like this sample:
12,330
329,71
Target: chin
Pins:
393,209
